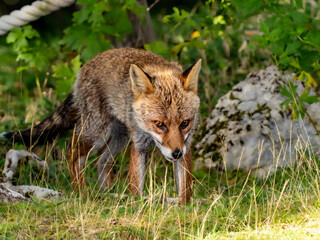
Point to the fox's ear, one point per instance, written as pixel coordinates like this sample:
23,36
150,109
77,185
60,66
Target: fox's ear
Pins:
190,77
141,81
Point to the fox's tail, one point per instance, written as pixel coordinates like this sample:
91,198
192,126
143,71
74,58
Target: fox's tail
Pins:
57,124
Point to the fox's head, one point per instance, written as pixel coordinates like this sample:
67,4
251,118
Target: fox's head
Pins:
166,105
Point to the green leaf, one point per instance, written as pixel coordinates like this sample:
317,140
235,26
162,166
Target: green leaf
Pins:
158,48
261,40
22,68
305,97
292,47
29,32
13,35
66,75
285,92
307,59
219,20
136,9
285,61
76,64
285,103
299,3
166,19
294,62
62,71
264,28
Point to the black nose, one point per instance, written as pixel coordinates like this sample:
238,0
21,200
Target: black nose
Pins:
177,154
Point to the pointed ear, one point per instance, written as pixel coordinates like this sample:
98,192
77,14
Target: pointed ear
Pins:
190,77
141,81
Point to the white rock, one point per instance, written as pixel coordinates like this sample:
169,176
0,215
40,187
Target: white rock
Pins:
36,191
11,193
250,131
9,196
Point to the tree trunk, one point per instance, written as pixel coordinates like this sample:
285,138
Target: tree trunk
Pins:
141,33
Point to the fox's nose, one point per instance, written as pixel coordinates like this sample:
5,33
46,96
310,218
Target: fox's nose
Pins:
176,154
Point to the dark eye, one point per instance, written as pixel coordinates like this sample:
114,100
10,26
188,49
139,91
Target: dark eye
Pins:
184,124
160,125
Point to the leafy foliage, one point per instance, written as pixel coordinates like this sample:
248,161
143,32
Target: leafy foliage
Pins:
291,34
296,102
65,75
30,49
97,21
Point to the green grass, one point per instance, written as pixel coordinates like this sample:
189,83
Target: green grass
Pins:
233,205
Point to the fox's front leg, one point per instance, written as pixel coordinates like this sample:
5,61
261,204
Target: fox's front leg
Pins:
137,170
183,177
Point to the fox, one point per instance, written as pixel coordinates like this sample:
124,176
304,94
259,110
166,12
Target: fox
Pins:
124,96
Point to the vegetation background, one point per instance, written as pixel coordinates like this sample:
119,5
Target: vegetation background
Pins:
38,65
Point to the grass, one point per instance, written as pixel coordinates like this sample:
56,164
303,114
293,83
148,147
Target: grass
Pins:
229,205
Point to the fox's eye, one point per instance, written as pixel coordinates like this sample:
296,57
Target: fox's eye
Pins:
184,124
160,125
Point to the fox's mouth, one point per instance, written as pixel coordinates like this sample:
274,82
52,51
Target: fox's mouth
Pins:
172,159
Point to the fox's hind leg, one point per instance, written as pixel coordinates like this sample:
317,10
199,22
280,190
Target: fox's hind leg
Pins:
77,155
183,177
118,139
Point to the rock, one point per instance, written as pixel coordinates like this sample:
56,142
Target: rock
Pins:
10,193
248,130
9,196
36,191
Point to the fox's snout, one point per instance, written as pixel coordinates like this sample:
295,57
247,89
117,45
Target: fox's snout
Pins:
172,155
176,154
